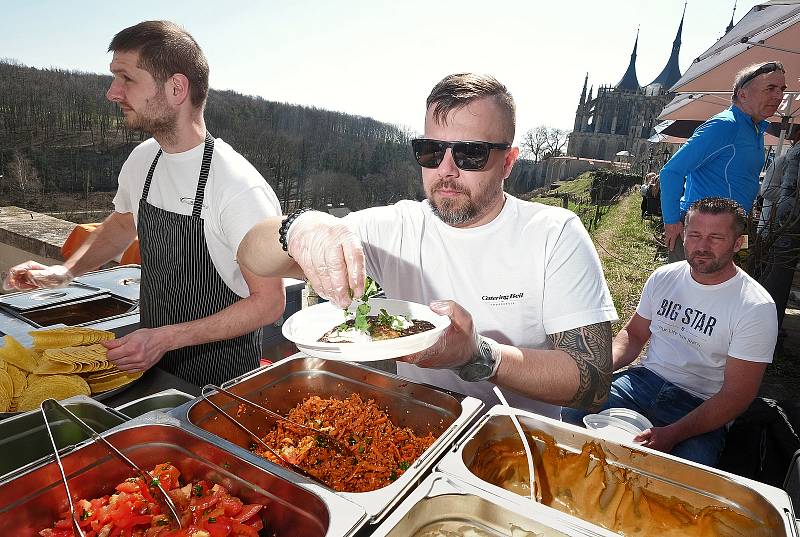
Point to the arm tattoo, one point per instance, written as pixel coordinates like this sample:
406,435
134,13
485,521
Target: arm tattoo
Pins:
590,347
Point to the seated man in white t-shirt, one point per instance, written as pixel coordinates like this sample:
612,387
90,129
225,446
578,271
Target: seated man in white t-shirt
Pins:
712,331
520,281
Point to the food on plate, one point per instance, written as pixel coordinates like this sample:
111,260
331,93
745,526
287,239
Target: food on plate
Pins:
585,485
381,451
62,362
379,327
206,509
360,327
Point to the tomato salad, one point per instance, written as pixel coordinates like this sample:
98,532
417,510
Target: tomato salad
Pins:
206,510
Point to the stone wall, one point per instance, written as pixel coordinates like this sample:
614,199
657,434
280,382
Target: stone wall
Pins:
28,235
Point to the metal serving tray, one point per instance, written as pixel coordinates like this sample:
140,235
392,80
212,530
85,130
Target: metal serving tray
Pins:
29,300
286,383
442,499
123,280
35,499
23,438
661,473
164,400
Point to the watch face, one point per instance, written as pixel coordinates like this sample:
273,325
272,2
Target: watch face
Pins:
475,372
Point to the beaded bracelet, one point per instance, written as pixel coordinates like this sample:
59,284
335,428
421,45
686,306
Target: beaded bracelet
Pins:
284,229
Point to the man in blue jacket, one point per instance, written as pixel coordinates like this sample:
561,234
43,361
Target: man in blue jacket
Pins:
725,154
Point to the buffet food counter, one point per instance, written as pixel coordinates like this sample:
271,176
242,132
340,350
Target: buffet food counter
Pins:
470,478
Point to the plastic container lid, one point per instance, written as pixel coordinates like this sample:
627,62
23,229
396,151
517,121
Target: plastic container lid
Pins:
631,416
612,428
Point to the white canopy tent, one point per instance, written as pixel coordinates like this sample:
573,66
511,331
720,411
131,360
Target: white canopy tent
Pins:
768,32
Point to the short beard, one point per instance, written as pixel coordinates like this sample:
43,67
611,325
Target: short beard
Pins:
157,119
454,213
708,268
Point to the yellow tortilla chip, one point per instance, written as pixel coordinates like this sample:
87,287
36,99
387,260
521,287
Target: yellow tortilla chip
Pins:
54,367
71,336
6,384
51,386
111,381
19,378
5,401
14,353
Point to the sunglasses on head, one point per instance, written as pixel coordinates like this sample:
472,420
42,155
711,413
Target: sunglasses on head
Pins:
768,67
468,156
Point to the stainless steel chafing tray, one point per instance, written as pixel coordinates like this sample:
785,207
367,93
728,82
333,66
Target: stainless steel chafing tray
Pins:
164,400
33,501
672,477
24,441
286,383
105,300
442,500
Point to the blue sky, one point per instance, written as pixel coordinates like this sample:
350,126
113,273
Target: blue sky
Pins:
380,58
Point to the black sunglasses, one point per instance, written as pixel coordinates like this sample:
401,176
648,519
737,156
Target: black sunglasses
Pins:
768,67
469,156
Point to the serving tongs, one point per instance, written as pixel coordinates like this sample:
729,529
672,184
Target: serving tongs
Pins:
322,436
164,499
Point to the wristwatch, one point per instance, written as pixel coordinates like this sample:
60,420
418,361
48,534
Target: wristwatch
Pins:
484,362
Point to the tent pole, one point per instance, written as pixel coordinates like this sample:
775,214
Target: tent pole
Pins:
782,137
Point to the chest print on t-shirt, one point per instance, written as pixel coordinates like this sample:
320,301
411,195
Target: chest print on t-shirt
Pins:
691,323
190,201
503,298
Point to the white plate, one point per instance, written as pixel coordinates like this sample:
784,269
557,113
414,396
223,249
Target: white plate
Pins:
631,416
612,428
305,327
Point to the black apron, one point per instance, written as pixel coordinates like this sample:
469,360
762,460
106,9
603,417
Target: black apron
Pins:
179,284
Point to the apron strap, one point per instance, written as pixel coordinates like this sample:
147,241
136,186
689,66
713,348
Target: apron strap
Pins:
205,167
149,178
208,152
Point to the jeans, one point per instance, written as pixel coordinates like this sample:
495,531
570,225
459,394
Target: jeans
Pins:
662,403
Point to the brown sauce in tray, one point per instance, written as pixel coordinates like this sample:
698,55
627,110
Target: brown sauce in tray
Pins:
379,331
585,485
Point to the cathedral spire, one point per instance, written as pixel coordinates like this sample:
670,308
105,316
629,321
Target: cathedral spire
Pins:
672,71
591,89
629,80
583,93
730,24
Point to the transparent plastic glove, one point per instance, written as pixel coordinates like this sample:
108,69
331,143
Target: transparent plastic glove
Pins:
33,275
330,255
456,346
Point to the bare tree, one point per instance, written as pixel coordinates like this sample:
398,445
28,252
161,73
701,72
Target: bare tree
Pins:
556,140
534,142
22,183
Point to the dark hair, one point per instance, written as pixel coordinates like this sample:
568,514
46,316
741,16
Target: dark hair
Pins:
746,75
457,91
721,206
166,49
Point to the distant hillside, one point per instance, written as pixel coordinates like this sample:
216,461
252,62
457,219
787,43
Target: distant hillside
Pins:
59,134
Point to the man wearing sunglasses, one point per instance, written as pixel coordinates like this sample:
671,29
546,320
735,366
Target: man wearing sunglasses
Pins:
520,281
725,154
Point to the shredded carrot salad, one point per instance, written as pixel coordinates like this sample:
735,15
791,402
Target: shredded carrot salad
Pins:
382,452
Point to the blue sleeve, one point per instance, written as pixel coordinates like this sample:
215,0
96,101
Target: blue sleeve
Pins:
706,140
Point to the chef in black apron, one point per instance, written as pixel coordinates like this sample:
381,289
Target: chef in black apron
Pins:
180,284
161,84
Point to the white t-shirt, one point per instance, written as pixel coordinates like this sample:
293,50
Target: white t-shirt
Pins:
695,327
236,197
531,271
